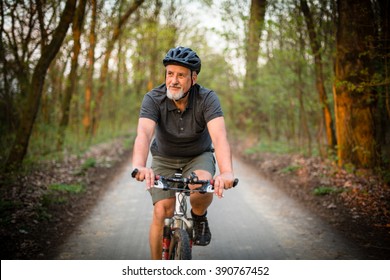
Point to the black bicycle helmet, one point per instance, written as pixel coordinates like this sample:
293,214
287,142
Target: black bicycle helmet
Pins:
184,57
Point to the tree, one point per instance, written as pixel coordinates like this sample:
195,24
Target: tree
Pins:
90,70
35,86
255,25
318,67
71,85
355,98
104,70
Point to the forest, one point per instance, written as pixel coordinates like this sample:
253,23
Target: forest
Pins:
304,85
293,76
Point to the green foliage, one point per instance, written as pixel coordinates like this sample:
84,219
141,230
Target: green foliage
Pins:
51,199
291,169
129,141
283,104
325,190
89,163
64,188
350,168
112,125
384,172
277,147
58,194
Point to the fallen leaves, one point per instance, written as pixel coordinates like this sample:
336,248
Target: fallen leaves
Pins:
357,202
38,207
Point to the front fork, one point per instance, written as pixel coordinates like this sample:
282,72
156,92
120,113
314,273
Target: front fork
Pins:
166,242
170,224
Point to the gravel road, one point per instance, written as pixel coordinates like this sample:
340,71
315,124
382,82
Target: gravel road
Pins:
254,221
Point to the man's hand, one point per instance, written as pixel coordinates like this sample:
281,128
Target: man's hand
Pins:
223,181
145,174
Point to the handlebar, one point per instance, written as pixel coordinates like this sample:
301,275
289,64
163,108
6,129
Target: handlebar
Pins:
161,182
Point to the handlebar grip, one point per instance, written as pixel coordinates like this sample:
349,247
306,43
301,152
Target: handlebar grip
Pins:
135,171
235,183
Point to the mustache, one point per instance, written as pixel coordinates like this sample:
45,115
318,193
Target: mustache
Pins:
174,86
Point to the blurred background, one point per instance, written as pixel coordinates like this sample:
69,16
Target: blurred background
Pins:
301,76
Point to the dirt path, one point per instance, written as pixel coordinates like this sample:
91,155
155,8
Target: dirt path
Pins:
254,221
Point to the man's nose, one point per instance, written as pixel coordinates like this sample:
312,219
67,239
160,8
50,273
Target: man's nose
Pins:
175,79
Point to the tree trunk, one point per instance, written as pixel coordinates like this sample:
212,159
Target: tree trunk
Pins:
305,136
91,68
104,69
153,79
20,145
318,67
304,130
249,103
255,26
72,80
355,100
256,22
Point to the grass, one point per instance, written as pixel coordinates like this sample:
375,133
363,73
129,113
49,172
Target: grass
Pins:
324,190
290,169
64,188
58,193
43,141
88,163
279,147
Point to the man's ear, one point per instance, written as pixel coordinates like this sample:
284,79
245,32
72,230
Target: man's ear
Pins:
194,77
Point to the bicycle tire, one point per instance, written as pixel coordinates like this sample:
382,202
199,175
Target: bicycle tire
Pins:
180,248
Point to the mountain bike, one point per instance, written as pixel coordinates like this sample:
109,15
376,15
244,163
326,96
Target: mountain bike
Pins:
178,231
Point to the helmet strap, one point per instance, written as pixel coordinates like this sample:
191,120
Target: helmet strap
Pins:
185,95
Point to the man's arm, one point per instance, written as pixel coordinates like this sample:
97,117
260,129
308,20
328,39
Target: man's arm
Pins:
145,132
223,154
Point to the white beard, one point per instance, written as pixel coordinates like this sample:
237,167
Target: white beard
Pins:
176,96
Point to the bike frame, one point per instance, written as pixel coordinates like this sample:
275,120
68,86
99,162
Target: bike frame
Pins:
180,220
178,230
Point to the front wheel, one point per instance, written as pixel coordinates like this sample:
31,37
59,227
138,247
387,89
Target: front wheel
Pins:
180,248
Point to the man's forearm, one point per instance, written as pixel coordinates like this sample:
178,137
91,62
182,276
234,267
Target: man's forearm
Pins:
140,152
224,157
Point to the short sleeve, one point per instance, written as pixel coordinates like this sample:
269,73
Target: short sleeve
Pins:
149,108
212,107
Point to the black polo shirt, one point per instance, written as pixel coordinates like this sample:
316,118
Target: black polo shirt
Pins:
181,134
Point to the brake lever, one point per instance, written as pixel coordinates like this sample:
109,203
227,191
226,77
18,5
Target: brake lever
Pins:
134,173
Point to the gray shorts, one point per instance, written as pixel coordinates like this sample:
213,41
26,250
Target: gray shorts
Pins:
168,167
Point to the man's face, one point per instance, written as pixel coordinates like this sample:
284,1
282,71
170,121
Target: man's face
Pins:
178,80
